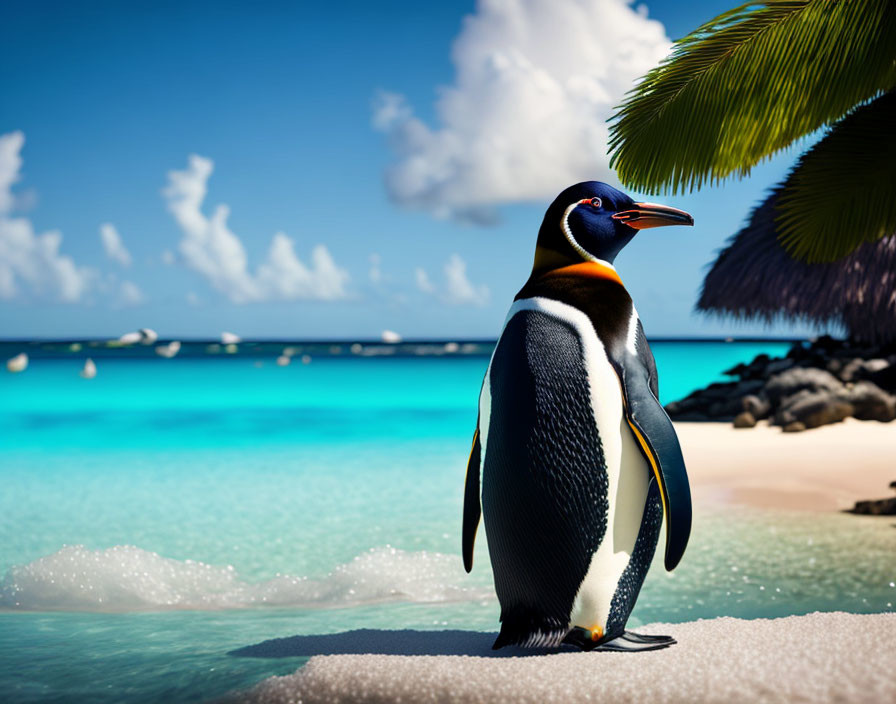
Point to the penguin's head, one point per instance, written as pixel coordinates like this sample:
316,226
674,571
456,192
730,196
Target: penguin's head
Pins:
592,221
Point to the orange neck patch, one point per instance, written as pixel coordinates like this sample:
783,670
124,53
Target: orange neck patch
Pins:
591,270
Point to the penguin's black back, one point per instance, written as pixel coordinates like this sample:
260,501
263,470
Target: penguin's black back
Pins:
544,477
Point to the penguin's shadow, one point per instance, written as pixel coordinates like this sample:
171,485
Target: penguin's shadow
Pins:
384,642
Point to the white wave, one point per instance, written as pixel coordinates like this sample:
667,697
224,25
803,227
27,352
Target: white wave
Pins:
128,578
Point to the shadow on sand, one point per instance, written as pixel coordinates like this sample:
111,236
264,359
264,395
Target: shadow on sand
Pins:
382,642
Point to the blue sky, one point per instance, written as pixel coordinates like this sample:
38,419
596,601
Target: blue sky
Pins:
380,165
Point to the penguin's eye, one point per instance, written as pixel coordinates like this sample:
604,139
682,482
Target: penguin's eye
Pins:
596,202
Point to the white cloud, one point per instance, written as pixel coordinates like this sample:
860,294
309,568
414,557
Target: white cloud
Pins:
423,281
114,247
10,165
212,249
31,262
458,288
129,294
535,82
285,276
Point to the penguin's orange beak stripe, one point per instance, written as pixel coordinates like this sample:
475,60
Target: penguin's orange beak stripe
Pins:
645,215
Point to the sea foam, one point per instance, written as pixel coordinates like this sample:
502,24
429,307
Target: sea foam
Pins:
128,578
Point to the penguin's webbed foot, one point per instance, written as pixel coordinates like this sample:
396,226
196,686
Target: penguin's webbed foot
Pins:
628,642
641,638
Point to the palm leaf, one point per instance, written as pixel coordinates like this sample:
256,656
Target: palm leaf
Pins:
842,191
747,84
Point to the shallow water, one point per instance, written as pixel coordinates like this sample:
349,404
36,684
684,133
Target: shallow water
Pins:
209,505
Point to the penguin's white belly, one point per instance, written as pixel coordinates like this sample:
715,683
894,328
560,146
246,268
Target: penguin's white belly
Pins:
627,478
628,473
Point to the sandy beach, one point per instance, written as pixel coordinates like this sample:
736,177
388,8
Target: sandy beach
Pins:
833,657
825,469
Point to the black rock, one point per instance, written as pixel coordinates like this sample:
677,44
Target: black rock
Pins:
870,402
814,384
737,370
859,368
825,342
691,403
725,409
693,416
757,406
778,365
797,379
794,427
797,351
720,389
749,386
875,507
744,419
813,409
885,378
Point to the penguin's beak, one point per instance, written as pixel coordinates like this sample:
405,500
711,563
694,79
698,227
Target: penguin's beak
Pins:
645,215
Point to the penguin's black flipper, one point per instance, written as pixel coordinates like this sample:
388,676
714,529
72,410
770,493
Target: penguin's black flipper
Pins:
472,507
658,441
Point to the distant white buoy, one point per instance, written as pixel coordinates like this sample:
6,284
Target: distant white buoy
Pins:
390,337
168,351
231,348
451,347
306,359
356,348
229,338
16,364
283,360
130,338
144,336
74,347
89,370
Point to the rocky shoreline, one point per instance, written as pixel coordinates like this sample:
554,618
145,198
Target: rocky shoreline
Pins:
818,382
876,507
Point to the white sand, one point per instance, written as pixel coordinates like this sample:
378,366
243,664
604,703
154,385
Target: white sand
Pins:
830,657
825,469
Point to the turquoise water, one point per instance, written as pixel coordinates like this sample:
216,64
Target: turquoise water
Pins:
167,512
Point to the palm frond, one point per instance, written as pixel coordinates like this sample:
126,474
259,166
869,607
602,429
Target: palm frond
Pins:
747,84
842,191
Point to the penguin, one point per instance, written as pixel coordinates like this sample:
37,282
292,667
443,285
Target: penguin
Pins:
574,464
